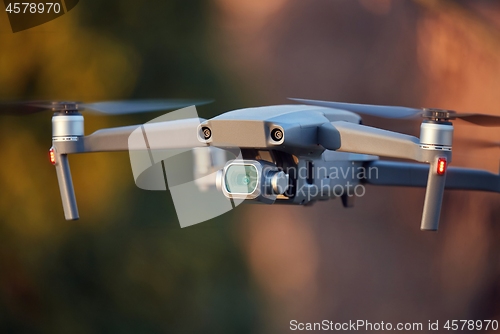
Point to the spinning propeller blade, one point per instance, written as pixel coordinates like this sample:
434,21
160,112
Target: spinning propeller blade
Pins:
139,106
477,143
403,112
367,109
106,107
480,119
21,108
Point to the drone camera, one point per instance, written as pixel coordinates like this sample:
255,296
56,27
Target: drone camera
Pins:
241,179
252,179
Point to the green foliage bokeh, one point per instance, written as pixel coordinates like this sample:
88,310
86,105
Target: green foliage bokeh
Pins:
126,266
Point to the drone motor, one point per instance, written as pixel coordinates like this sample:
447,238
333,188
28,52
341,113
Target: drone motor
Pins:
67,126
436,135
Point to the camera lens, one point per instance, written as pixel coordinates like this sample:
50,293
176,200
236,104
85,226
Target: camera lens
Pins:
241,179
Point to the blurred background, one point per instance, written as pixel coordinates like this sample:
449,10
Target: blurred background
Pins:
127,267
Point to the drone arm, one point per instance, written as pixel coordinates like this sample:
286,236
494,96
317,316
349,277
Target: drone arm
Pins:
108,140
159,136
357,138
368,140
390,173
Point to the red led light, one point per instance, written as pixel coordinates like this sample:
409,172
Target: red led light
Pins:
52,156
441,166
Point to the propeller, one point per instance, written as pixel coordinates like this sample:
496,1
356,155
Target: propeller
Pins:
475,143
106,107
405,112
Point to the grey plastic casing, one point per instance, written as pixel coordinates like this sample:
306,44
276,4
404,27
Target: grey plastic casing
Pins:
310,134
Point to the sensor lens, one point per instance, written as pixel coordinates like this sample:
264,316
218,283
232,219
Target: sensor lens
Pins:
277,134
207,133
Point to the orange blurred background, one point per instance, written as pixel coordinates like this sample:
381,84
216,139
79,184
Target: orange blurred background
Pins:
372,262
126,266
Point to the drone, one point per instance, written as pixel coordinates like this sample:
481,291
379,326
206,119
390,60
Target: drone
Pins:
287,154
